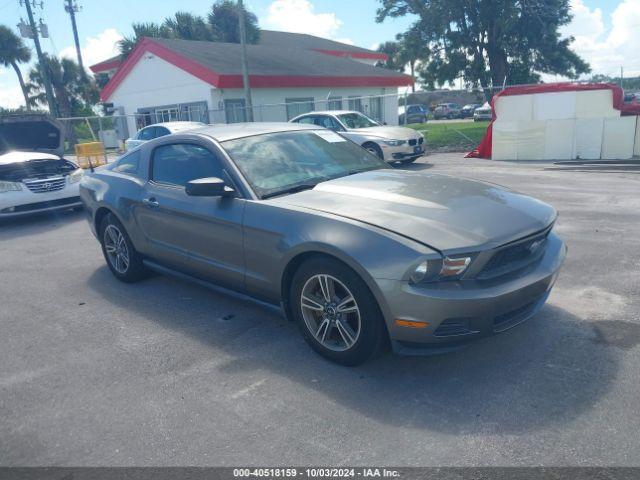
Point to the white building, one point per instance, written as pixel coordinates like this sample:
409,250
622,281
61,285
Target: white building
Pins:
290,74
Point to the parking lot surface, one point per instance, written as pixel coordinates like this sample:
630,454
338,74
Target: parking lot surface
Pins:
163,372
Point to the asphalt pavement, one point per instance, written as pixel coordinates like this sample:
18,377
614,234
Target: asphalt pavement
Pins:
163,372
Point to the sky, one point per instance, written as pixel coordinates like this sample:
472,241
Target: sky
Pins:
607,32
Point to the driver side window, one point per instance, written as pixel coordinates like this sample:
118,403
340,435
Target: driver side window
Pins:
179,163
147,133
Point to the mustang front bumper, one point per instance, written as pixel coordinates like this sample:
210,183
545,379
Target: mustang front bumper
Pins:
457,312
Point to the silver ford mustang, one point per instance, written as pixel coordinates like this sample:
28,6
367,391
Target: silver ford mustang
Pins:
358,254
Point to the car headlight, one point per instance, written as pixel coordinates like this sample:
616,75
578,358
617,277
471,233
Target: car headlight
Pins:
437,269
76,175
395,143
10,187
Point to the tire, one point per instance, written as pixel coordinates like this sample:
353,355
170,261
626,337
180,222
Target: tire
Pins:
114,236
350,337
375,149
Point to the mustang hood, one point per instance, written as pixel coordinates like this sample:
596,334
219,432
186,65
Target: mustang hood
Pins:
31,133
441,211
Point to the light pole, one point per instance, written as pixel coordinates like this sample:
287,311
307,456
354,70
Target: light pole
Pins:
71,8
44,67
243,60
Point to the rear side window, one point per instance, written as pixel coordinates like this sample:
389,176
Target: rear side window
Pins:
129,164
306,120
177,164
147,133
161,132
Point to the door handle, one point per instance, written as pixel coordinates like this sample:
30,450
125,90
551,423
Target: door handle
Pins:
150,202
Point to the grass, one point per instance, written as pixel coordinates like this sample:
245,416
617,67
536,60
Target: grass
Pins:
452,134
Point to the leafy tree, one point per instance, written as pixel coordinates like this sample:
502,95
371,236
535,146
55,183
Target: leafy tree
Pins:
489,42
12,52
141,30
224,23
392,51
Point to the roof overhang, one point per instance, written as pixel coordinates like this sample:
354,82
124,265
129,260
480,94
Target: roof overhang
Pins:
219,80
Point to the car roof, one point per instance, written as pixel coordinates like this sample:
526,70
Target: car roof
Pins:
328,112
17,156
177,125
233,131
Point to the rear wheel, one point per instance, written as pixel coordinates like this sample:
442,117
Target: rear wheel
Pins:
337,314
122,258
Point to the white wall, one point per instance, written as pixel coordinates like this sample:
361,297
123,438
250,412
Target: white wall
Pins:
269,102
154,82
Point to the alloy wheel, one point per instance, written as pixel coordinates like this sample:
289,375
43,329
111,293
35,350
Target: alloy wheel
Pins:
330,312
116,247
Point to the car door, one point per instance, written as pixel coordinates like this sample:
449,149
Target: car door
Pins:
199,235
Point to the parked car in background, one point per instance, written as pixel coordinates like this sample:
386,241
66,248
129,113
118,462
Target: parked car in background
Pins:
392,144
468,109
414,114
34,175
483,114
632,97
447,110
355,252
158,130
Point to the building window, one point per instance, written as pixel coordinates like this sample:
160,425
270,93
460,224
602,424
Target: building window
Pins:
298,106
355,103
167,114
375,109
334,103
235,111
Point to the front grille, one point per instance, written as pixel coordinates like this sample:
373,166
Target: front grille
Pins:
413,142
31,207
514,317
46,185
453,326
516,255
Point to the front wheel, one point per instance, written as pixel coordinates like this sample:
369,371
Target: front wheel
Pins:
337,314
374,149
122,258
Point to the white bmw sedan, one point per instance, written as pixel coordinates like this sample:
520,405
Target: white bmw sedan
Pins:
390,143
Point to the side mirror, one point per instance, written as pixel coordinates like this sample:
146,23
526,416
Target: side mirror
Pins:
208,187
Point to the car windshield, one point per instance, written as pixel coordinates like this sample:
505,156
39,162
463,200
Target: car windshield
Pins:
284,162
357,120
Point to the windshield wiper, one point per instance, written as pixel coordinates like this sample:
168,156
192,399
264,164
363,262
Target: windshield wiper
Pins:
294,189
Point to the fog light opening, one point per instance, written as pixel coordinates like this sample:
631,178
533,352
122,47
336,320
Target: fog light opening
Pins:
411,323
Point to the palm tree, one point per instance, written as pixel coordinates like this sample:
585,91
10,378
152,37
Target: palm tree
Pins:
73,92
14,51
221,25
187,26
392,51
224,23
412,50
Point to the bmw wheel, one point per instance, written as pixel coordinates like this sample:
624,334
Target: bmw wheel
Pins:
122,258
337,314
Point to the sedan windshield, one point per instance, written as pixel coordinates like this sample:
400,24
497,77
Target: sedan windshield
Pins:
357,120
285,162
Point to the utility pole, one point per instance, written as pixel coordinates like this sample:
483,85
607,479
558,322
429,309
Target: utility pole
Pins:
43,65
71,7
243,60
621,75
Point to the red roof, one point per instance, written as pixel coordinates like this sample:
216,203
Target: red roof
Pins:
218,65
